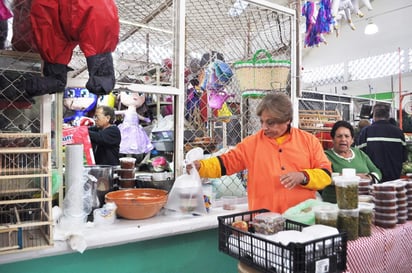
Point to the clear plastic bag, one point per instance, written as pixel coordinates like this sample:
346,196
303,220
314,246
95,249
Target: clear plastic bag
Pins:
186,195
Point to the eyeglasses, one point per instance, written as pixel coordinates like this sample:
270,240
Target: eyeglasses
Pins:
98,116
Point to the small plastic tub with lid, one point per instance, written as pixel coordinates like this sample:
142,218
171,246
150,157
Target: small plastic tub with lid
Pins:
399,185
385,209
127,162
402,209
385,203
364,183
383,187
365,219
127,183
386,223
348,220
268,223
386,216
401,195
126,173
408,185
364,191
402,220
402,202
365,198
384,195
326,215
347,191
402,214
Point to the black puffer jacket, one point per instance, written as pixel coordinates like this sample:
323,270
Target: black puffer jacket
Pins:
106,145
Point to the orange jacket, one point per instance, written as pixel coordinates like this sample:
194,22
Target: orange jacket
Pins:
266,160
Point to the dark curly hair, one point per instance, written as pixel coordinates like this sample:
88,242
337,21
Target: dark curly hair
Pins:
342,123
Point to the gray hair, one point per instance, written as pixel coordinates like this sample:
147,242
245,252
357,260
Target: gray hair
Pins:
278,104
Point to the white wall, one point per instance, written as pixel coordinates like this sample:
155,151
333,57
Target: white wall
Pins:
394,32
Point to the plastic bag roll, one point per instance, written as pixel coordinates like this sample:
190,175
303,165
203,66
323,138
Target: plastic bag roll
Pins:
74,180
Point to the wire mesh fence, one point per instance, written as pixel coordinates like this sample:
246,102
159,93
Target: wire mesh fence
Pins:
219,113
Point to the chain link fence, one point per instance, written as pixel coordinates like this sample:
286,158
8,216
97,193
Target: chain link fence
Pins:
218,32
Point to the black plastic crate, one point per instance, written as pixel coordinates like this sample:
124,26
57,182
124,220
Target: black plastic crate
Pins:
325,255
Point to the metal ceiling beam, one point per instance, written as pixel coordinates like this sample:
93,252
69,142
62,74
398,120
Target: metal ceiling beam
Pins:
165,5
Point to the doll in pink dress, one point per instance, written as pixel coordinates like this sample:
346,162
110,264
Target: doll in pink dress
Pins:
134,138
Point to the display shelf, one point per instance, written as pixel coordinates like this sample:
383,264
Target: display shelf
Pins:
25,192
315,120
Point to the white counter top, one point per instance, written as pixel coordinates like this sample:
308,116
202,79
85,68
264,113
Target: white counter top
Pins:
128,231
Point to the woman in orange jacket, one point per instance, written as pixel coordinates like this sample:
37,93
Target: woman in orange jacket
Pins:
285,165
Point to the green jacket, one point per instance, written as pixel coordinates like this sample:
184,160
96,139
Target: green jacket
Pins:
361,162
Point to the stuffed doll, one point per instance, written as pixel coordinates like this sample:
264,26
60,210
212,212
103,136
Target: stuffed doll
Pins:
58,27
342,9
356,8
81,101
134,138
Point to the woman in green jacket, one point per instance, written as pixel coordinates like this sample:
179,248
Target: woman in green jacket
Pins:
342,155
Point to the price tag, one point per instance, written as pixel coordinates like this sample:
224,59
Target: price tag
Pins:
322,266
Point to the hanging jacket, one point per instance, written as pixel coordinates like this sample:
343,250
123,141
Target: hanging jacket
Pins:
59,26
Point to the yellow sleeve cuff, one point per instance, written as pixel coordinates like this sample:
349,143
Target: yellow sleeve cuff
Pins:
210,168
318,179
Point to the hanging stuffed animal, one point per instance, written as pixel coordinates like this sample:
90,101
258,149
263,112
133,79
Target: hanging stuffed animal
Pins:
318,21
311,35
58,27
81,101
356,8
134,138
193,99
108,100
342,9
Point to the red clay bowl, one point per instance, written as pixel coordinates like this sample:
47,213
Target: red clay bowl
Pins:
136,204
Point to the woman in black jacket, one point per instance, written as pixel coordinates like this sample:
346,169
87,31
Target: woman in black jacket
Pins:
105,137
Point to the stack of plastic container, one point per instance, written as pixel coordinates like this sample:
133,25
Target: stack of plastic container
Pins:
127,172
347,198
364,186
401,201
386,213
408,187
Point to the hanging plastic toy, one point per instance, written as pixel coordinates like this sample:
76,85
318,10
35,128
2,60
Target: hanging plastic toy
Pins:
81,101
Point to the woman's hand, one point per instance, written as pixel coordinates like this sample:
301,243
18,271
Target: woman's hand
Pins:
292,179
189,166
364,176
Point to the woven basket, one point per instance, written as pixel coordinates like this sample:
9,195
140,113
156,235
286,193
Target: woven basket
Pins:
263,74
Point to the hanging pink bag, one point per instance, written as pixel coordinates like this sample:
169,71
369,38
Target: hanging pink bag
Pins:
5,13
217,98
